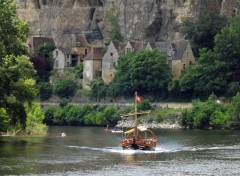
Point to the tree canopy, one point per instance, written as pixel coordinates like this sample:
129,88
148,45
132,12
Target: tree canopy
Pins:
16,71
201,31
218,69
145,71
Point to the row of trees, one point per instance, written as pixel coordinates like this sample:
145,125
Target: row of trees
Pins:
68,114
87,115
213,113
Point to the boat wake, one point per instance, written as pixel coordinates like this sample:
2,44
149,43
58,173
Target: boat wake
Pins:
156,151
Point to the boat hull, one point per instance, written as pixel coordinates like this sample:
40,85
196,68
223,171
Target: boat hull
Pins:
139,143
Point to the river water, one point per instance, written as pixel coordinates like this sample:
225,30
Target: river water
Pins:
90,151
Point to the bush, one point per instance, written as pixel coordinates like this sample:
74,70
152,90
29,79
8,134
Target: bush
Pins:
144,105
63,102
45,90
65,88
35,117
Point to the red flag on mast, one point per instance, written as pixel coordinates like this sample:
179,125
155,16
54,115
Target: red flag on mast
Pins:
139,99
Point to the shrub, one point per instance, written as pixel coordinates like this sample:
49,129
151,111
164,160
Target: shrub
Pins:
45,90
65,88
144,105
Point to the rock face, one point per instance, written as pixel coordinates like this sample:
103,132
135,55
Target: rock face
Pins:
153,20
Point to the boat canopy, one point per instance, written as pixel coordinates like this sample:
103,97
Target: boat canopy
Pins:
140,128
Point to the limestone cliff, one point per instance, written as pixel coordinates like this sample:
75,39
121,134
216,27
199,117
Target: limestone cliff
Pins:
140,19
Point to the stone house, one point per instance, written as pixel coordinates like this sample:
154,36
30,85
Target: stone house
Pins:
178,53
71,56
92,66
133,46
114,51
110,60
65,58
82,45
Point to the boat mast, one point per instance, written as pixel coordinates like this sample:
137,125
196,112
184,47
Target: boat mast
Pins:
135,119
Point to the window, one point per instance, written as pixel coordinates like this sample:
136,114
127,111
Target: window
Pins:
86,51
112,64
56,63
184,66
190,62
56,53
111,54
128,50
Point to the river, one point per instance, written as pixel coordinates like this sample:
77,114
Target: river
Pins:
90,151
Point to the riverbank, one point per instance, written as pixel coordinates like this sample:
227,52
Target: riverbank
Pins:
152,125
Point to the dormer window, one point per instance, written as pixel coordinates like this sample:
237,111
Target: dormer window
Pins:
111,54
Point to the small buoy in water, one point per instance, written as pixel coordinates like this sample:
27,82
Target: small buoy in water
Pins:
63,134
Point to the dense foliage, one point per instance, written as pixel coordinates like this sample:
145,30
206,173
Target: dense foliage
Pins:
82,115
146,72
213,113
217,70
201,31
17,84
43,62
45,90
65,88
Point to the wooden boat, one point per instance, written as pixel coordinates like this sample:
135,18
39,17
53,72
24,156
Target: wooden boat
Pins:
138,138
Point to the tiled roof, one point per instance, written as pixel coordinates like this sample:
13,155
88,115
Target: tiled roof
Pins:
163,47
137,45
94,54
119,46
179,47
82,40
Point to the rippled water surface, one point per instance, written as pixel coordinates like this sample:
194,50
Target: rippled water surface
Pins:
90,151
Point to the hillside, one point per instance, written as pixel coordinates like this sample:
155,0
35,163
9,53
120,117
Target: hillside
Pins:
139,19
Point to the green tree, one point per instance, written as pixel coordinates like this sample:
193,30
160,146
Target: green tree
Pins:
35,117
144,105
13,33
113,31
98,89
235,111
111,115
145,72
16,71
45,90
202,30
206,114
227,44
65,88
205,77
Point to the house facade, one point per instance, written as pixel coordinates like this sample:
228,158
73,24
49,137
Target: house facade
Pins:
59,56
65,58
109,62
178,53
92,66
